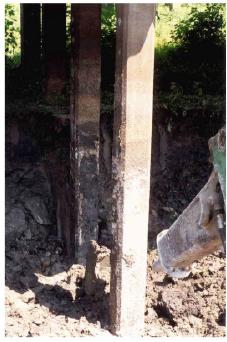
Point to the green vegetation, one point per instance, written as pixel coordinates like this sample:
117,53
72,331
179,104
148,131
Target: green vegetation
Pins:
68,20
190,63
108,29
189,56
12,34
167,16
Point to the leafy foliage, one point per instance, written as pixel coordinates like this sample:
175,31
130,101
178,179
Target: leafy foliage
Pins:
167,16
189,70
108,20
206,27
11,30
108,30
68,27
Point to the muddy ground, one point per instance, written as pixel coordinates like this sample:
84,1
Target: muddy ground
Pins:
44,291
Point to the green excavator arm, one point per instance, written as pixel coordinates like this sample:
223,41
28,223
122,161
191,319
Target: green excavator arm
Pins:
217,147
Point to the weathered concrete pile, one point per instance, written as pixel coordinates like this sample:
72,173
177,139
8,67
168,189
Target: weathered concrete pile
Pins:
75,184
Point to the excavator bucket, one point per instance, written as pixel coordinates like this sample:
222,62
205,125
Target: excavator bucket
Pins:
199,230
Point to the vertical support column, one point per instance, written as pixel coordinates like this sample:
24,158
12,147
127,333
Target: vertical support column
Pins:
131,165
54,48
30,37
85,116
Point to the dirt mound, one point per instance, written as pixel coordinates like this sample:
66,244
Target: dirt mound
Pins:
191,306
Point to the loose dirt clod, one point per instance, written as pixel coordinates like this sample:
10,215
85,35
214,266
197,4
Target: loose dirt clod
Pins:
97,269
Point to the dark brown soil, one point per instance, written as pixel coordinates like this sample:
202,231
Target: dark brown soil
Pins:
44,291
192,306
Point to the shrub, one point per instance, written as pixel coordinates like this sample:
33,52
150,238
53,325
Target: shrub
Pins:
201,28
193,64
12,35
